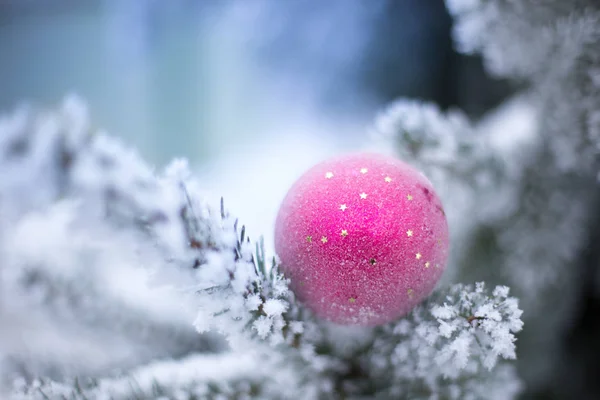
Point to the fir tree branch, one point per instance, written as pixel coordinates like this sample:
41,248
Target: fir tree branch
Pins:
155,226
449,350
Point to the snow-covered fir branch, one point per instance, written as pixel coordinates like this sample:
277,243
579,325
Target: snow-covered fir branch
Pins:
82,215
449,350
526,217
438,351
108,265
514,216
224,376
554,47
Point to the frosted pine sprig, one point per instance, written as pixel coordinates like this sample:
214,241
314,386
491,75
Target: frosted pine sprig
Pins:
461,338
468,317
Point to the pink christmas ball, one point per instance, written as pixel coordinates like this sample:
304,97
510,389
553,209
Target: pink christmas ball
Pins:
363,239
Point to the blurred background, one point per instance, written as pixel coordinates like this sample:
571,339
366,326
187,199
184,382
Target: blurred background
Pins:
252,92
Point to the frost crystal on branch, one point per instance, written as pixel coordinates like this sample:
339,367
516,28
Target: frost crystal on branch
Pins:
461,339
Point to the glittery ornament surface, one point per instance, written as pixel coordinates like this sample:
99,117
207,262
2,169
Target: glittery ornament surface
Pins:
363,239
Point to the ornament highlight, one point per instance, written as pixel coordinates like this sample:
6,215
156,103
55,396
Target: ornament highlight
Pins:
363,239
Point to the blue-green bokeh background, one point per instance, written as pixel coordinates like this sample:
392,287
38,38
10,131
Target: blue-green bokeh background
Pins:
252,92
